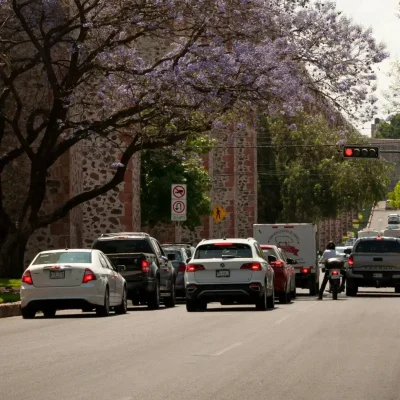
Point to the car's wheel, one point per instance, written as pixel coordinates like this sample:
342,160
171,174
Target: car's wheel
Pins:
49,313
271,299
154,298
313,288
104,310
28,313
170,301
351,291
293,293
397,289
261,303
123,307
284,297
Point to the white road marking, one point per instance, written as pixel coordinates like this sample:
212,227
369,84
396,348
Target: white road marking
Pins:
281,320
232,346
306,308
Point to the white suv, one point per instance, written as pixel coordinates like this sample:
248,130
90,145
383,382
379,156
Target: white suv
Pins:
229,270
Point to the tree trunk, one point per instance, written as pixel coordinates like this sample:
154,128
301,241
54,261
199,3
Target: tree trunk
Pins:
12,254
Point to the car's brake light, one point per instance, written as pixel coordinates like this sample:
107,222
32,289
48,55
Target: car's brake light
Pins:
223,244
350,261
88,276
27,278
378,238
277,263
145,266
194,267
182,267
255,266
305,270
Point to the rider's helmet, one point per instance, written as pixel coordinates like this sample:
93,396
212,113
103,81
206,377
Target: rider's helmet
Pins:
330,246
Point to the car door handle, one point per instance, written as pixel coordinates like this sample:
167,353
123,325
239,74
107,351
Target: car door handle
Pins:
378,259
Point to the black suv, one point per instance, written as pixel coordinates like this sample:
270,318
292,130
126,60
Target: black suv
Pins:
149,275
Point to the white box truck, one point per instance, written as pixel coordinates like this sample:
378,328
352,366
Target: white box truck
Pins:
298,241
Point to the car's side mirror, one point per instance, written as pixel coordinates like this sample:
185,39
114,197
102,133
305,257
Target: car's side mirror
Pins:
188,260
272,259
120,268
171,256
165,258
291,261
347,251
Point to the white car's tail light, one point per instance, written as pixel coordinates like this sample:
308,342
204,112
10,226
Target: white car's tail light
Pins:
88,276
27,278
194,267
254,266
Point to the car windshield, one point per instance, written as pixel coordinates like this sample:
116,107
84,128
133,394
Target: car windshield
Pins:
394,221
223,250
178,254
378,246
61,257
119,246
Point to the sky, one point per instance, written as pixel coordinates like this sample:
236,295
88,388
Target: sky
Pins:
381,16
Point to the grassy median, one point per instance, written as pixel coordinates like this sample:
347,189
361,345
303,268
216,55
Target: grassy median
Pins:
9,290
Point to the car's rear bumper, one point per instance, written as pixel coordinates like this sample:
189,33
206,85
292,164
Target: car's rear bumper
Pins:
244,293
61,297
373,278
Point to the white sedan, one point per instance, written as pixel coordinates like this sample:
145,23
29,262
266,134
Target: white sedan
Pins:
72,279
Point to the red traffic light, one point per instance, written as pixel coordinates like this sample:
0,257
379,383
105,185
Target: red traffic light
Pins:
348,152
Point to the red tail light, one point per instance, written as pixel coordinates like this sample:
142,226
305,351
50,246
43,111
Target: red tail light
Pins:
350,261
277,264
145,266
335,272
255,266
194,268
305,270
223,244
88,276
182,267
27,278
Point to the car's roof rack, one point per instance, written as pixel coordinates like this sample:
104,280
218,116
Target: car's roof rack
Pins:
125,234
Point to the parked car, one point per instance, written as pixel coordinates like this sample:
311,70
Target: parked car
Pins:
388,205
285,274
72,279
229,270
179,258
187,246
149,275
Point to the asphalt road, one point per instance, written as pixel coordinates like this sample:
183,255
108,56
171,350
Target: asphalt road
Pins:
345,349
380,217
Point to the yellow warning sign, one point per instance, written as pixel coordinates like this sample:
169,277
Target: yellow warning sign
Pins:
218,213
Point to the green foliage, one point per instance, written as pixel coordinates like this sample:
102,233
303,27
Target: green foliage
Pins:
9,297
314,181
394,196
181,164
14,283
389,130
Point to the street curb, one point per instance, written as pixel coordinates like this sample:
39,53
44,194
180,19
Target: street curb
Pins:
10,309
370,216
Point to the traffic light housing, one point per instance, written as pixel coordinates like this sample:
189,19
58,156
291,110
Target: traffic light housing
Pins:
360,152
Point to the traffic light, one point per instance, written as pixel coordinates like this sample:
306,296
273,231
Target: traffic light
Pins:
360,152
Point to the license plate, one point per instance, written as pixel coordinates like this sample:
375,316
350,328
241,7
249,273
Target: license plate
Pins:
377,275
57,274
223,273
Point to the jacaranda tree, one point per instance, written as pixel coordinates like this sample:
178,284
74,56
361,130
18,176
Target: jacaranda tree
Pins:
157,71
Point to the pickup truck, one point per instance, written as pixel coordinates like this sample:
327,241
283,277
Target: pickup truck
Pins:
149,275
373,262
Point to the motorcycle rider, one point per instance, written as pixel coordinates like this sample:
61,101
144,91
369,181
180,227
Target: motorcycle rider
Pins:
329,253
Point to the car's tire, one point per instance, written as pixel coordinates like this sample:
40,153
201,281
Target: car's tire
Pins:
397,289
262,302
284,297
170,301
153,302
49,313
192,305
293,293
123,307
104,310
28,313
351,291
271,299
314,287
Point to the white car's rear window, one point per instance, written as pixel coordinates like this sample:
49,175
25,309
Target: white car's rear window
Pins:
223,250
60,257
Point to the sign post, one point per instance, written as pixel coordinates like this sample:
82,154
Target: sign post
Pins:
178,207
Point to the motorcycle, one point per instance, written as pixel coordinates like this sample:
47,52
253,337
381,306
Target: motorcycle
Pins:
334,266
